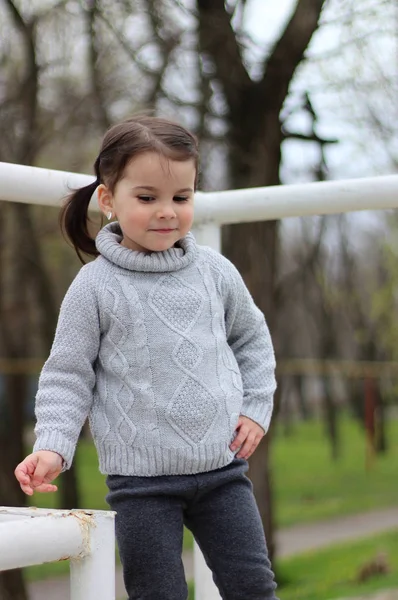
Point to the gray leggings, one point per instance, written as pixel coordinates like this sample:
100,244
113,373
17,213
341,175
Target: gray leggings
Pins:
220,510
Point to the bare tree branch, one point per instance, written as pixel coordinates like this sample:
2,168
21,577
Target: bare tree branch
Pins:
312,137
19,21
131,52
284,287
98,92
167,41
289,51
218,41
27,146
47,12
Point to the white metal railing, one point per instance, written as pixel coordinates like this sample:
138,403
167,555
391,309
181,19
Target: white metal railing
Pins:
46,187
31,536
33,185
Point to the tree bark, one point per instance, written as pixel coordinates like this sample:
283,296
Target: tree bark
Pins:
303,407
97,87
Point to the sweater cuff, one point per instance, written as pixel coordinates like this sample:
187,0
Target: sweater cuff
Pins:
56,442
260,412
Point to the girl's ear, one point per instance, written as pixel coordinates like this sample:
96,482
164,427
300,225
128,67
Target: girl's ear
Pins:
104,199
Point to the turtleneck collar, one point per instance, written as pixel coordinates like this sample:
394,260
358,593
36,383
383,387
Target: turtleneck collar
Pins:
175,258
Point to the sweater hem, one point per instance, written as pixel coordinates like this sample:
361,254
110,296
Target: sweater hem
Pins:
155,461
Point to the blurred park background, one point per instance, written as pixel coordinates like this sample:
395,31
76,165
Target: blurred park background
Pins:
278,93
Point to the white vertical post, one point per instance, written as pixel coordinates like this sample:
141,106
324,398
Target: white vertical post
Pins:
206,234
93,576
205,588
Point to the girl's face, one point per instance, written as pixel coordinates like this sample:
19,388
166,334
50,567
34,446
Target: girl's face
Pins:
153,202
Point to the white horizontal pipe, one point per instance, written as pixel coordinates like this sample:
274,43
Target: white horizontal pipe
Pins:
34,185
39,540
278,202
27,512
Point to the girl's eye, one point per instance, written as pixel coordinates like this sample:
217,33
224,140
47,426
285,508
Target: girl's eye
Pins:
146,198
180,198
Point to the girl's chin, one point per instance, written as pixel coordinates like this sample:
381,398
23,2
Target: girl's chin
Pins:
160,244
161,247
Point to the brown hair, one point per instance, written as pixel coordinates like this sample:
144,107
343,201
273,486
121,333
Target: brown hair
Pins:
121,143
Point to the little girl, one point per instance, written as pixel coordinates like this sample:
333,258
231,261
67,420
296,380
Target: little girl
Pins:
160,345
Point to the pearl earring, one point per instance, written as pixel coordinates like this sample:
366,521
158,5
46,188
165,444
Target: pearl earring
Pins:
109,215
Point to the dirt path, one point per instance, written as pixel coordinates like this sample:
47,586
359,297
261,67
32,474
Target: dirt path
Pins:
292,540
297,539
386,595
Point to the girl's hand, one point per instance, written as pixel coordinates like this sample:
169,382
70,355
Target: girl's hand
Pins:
249,434
37,471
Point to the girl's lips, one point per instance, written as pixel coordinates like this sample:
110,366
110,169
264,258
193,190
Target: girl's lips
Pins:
162,230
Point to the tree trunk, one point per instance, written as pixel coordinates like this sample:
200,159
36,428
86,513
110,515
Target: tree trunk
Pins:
70,496
381,433
304,408
12,586
331,418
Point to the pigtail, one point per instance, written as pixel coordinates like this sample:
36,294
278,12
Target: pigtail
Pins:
74,218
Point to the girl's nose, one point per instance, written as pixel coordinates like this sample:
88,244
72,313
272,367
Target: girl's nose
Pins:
166,212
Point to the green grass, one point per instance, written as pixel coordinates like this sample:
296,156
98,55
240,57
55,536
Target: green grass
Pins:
333,572
47,571
309,486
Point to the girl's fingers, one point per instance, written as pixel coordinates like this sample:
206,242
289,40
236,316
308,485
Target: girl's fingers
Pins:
247,446
25,468
35,473
41,473
22,477
43,488
240,438
24,482
20,471
253,448
46,488
251,444
26,489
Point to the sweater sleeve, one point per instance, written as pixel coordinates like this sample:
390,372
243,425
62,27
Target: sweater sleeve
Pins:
249,338
66,383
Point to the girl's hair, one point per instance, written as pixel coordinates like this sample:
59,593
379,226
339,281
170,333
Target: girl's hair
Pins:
120,145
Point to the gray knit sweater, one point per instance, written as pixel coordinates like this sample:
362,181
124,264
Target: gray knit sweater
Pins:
162,351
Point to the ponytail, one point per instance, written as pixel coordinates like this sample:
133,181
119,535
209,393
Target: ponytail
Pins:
74,218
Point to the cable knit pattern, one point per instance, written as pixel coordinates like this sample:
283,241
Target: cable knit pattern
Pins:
162,352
